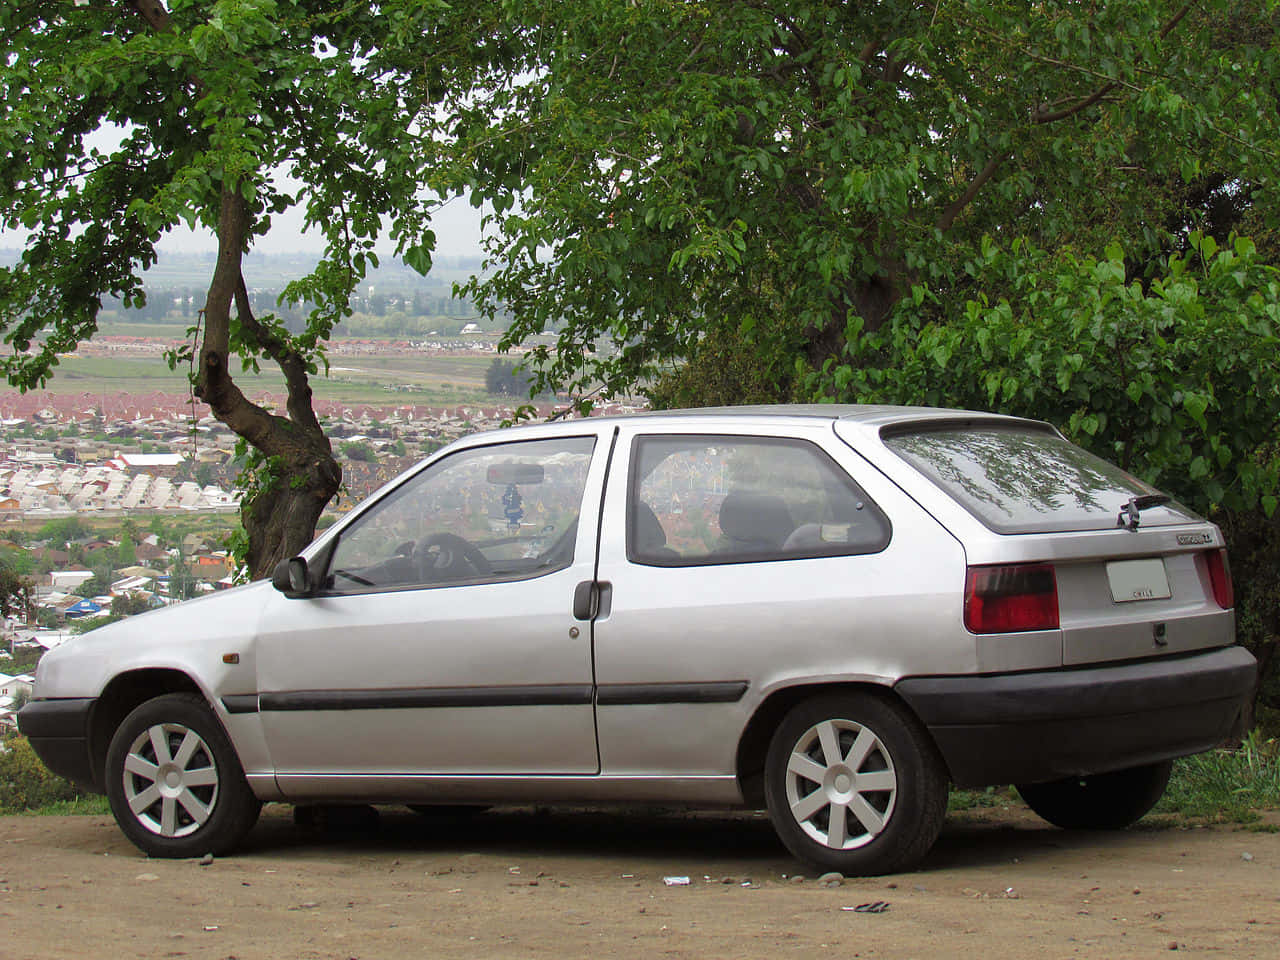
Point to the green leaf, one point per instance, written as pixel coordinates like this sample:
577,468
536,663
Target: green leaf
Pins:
418,258
1195,404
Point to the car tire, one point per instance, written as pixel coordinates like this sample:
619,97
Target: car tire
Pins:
174,781
1102,801
867,760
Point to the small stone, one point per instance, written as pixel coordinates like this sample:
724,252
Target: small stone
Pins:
1247,857
1173,944
206,860
728,880
798,878
146,876
1136,891
831,879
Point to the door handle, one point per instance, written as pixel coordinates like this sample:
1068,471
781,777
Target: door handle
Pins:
589,596
586,600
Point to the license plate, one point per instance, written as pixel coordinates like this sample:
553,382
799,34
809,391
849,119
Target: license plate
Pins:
1138,580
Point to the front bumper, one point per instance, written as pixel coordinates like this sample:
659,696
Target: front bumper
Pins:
58,731
1047,725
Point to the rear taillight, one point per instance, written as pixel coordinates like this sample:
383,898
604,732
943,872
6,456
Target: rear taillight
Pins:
1010,598
1224,594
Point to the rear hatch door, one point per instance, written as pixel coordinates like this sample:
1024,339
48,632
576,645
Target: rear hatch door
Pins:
1136,571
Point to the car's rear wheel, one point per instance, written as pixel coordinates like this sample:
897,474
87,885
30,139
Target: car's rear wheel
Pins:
1102,801
853,784
174,782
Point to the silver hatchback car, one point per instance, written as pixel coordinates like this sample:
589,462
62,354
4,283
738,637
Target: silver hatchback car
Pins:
831,612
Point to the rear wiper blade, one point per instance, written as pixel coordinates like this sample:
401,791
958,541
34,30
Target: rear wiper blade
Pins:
1128,517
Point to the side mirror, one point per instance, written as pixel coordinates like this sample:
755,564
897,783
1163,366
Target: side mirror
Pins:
290,577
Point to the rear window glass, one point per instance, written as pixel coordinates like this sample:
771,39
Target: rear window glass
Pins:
735,499
1023,480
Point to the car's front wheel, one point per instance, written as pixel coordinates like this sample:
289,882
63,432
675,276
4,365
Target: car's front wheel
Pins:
1102,801
174,782
853,784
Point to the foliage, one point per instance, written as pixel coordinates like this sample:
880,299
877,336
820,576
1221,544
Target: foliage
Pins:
18,561
1226,784
1177,380
25,783
60,533
88,624
1254,541
86,805
505,378
15,590
668,175
23,660
358,450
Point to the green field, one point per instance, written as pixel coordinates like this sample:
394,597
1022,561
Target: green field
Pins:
419,378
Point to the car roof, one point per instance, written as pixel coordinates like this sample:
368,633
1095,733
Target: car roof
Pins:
873,415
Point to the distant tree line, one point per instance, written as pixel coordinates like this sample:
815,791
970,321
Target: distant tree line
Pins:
505,378
406,314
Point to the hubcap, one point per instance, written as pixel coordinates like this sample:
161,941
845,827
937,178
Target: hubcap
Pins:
841,785
170,780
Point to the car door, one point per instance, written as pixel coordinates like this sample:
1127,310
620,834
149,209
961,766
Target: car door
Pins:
734,564
442,639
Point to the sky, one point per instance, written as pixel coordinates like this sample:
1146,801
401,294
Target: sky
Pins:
456,224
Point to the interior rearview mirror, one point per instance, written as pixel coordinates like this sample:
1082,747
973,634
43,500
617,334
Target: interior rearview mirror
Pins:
509,473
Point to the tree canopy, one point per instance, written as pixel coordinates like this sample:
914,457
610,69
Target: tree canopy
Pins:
677,179
225,114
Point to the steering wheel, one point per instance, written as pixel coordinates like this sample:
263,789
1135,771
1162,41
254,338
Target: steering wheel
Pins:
447,556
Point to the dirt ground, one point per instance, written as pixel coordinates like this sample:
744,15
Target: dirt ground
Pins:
566,884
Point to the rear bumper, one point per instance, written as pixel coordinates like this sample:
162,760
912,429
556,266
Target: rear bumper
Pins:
1032,727
58,731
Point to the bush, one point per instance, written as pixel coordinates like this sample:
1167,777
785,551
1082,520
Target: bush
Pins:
25,782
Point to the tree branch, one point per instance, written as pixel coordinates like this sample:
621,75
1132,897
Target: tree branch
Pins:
957,206
1042,113
287,358
154,13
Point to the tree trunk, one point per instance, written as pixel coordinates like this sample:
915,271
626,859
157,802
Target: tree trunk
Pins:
871,298
282,520
298,474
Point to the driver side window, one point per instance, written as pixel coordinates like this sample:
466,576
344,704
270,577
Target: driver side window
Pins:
502,512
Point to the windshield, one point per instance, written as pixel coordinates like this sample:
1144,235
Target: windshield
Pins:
1021,479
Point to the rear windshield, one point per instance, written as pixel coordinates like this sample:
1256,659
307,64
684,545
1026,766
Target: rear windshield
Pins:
1025,480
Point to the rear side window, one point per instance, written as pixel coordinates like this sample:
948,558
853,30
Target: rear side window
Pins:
1028,480
731,499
